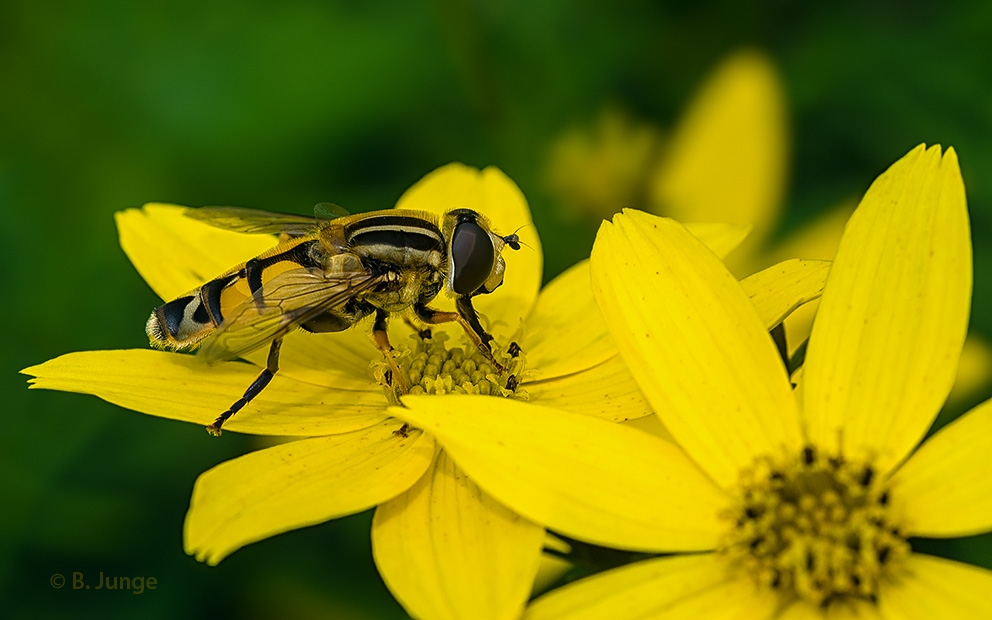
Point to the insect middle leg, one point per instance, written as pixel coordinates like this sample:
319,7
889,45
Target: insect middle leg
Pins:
262,380
381,338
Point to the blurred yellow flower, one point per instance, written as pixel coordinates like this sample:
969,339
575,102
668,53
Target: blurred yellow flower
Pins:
726,161
596,170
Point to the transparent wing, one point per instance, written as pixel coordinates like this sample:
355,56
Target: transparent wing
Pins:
283,303
324,211
253,221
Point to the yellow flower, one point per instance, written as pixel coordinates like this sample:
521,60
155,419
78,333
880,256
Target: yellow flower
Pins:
805,499
758,468
444,546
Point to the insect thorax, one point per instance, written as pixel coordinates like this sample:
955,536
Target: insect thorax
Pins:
398,239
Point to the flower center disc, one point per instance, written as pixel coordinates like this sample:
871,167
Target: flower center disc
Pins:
819,528
429,367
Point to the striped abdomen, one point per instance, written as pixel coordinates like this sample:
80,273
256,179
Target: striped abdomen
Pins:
185,321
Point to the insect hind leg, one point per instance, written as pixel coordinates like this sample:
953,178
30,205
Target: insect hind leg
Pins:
262,380
381,338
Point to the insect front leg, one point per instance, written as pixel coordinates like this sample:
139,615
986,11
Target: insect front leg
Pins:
381,338
469,320
484,340
262,380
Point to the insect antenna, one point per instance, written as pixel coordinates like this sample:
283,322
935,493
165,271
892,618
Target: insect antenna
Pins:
513,240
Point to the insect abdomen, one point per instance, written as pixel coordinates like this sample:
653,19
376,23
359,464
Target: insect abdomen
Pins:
180,324
185,321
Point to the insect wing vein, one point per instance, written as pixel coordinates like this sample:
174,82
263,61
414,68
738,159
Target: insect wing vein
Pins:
283,303
252,221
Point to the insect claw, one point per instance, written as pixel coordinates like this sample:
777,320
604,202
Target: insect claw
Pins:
425,333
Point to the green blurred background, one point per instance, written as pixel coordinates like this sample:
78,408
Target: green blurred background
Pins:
105,105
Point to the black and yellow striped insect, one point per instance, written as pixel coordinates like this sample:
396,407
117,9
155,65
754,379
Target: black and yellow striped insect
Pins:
328,274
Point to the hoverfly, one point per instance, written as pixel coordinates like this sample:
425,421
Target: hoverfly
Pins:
328,274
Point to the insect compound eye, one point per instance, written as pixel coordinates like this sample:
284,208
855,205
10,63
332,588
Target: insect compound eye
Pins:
473,255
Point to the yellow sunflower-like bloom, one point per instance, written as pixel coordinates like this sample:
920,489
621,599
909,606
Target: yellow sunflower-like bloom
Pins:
445,547
800,503
793,503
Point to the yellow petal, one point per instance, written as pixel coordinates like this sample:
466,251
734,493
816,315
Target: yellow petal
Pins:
798,325
937,588
550,571
492,193
780,289
686,586
651,424
721,238
893,317
447,550
300,483
181,387
694,343
580,476
338,360
175,254
816,240
556,543
945,488
728,156
974,369
566,333
606,391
